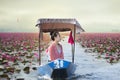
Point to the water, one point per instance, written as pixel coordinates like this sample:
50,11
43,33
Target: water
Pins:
88,67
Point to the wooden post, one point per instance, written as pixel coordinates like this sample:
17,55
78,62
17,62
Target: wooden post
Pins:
74,39
39,47
73,45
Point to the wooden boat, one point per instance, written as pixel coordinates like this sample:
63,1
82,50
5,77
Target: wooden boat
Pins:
58,68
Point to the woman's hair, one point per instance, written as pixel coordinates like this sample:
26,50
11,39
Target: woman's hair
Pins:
54,34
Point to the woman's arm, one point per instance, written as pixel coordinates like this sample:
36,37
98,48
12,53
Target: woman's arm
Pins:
52,52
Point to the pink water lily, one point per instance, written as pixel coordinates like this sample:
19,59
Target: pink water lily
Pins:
36,55
14,47
101,43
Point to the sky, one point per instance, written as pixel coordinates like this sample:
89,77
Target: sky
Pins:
93,15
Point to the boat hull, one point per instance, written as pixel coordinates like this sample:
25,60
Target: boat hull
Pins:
57,69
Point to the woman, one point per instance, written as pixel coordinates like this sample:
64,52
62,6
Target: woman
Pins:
55,50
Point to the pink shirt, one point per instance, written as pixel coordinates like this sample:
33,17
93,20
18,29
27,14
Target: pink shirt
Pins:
54,53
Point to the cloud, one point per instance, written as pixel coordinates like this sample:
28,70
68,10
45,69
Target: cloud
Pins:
21,15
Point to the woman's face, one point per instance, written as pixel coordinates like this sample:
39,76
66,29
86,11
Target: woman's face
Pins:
58,38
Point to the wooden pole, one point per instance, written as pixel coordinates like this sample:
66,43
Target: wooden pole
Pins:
72,48
39,47
73,45
74,41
